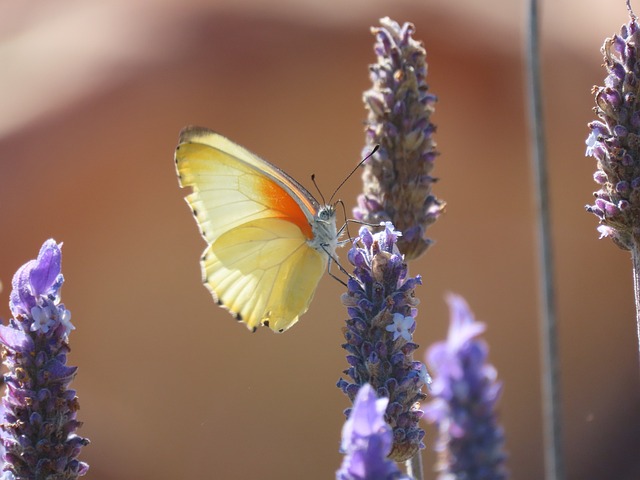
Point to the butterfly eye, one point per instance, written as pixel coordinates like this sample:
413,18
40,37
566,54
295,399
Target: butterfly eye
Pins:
327,212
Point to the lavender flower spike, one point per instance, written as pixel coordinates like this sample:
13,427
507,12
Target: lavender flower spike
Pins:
470,443
38,409
614,140
381,305
397,180
367,440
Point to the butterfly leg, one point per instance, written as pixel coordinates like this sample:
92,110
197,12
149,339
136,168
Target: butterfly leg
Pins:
332,275
333,259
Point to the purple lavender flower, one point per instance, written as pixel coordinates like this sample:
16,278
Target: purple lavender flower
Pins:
38,408
397,180
381,306
465,391
614,140
367,440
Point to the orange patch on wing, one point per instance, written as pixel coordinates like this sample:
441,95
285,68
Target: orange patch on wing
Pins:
276,198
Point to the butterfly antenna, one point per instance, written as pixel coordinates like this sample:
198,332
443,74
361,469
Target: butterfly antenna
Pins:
375,149
313,179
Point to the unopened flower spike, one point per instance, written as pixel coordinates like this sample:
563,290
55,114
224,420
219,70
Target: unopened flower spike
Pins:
38,409
397,179
465,391
367,441
614,140
381,305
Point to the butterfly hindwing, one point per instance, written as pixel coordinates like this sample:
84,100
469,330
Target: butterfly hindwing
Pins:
263,271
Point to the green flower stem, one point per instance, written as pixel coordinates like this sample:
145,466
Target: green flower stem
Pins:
414,467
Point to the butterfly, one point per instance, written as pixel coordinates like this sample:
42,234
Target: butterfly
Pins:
268,240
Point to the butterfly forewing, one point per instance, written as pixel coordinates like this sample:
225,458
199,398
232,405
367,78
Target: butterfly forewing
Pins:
228,192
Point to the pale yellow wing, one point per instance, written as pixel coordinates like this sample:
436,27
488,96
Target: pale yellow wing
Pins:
232,186
264,272
257,222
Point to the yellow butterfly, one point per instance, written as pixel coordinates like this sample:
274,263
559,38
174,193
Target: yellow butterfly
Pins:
268,239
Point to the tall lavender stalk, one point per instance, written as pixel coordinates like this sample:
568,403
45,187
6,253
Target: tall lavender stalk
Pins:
38,407
397,179
614,141
379,336
465,390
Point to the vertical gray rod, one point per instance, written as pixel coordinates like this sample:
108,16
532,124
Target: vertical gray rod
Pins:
554,469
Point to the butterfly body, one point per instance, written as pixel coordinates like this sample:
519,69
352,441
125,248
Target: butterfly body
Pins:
268,239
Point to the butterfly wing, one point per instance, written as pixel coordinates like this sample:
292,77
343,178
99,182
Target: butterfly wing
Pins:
264,272
257,221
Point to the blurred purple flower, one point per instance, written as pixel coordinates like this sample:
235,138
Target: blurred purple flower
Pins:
397,180
614,140
367,441
38,409
465,391
381,305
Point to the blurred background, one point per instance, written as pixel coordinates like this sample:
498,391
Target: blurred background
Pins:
93,95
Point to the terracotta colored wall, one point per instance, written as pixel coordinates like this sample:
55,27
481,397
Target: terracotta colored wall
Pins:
169,385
